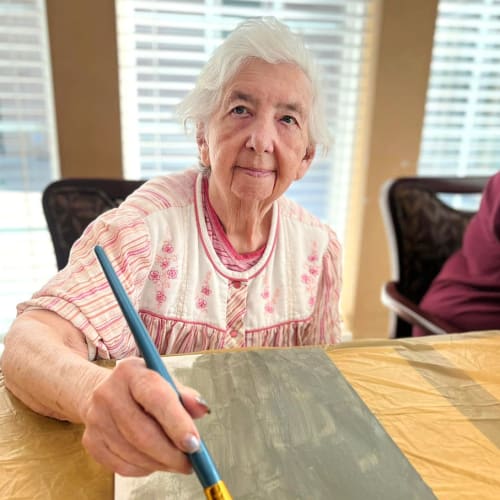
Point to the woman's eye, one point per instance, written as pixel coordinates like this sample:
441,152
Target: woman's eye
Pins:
239,110
289,120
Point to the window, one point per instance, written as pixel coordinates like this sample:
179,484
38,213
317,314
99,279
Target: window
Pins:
164,44
462,115
27,153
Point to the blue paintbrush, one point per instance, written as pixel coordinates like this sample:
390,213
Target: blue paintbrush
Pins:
202,462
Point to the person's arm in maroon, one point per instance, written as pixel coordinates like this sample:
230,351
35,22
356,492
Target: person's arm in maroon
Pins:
458,293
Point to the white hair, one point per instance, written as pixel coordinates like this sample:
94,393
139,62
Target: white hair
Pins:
267,39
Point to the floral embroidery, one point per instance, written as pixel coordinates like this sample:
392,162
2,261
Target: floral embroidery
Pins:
306,279
205,292
167,247
201,303
269,300
313,257
164,271
269,307
314,270
311,274
154,276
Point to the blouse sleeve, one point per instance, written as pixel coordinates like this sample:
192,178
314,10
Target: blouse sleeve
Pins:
80,292
326,316
490,205
481,259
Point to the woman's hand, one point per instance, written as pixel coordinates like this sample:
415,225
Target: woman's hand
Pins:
135,423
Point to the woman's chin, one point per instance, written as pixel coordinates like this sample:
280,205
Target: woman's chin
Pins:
253,188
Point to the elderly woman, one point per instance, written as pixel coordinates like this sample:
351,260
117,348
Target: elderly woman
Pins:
212,258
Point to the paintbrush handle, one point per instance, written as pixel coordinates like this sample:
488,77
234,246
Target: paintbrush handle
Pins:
201,460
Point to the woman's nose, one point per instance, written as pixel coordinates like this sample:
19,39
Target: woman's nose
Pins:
261,136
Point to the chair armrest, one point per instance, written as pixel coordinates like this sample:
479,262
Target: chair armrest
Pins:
411,312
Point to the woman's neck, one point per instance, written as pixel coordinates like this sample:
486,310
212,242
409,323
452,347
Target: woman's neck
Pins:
246,231
245,223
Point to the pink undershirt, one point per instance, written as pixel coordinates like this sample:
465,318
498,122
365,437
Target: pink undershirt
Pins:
225,251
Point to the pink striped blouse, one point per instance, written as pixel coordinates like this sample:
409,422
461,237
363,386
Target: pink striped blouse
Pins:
189,299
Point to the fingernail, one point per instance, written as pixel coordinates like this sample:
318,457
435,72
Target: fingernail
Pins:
202,402
190,443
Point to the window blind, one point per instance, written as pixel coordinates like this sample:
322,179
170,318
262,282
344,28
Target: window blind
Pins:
462,116
163,46
27,153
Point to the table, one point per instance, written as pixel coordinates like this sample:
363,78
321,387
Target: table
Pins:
437,397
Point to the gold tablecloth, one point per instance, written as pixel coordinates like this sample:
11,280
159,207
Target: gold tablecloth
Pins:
437,397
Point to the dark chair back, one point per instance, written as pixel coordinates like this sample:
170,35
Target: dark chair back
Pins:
70,205
423,231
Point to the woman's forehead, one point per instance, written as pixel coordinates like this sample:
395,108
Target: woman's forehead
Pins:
283,82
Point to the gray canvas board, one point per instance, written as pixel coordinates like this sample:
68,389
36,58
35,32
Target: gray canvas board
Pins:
285,424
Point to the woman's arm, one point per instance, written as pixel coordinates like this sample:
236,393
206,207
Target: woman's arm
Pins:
45,365
326,314
134,422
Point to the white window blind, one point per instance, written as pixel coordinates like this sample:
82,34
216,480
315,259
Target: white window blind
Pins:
27,153
462,118
163,46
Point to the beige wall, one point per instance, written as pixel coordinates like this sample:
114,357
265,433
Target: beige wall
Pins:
84,58
389,140
83,49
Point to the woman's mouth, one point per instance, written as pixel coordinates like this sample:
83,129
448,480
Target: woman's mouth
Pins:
256,172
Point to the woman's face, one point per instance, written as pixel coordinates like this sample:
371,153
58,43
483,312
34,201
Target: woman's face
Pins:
257,142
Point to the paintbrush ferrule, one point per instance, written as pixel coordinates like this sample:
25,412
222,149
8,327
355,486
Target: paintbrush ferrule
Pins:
218,492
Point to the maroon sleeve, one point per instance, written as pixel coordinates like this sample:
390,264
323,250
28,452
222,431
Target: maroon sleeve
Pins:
466,293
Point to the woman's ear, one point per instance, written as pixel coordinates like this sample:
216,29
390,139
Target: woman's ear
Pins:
306,161
201,141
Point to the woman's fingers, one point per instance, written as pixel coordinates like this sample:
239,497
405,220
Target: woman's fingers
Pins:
116,454
160,400
126,431
194,403
135,423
